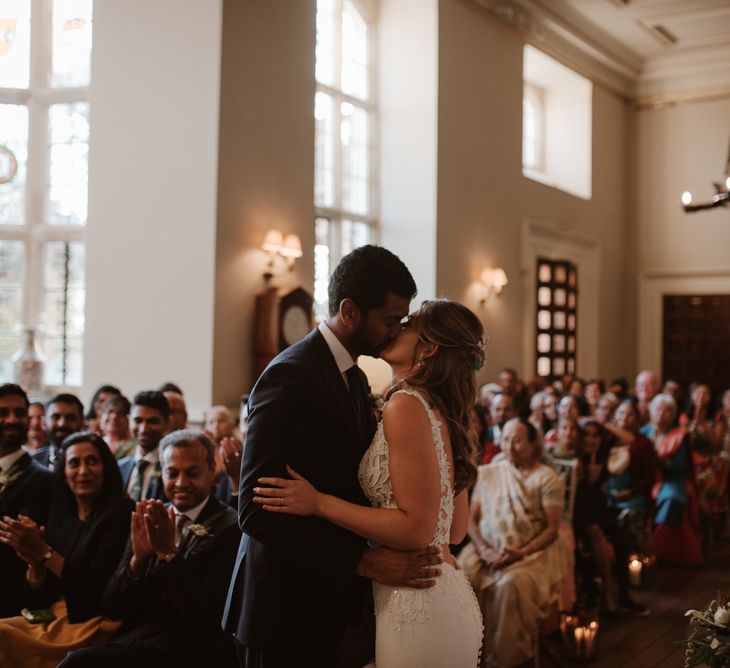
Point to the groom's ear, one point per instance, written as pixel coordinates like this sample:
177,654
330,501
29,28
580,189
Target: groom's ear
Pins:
349,314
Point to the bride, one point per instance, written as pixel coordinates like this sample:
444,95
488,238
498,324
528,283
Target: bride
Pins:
416,474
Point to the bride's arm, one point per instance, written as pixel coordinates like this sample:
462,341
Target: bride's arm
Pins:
414,474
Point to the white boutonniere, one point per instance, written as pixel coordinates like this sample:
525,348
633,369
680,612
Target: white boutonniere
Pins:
198,530
156,474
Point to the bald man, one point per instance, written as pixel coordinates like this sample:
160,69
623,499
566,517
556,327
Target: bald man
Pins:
178,411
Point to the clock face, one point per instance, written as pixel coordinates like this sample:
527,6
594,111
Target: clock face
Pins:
295,325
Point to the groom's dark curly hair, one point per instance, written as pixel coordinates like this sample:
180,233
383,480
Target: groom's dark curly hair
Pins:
367,275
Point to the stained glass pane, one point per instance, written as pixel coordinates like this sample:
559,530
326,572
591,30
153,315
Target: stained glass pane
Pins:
545,273
543,319
12,261
64,298
324,160
69,168
543,366
13,162
71,43
325,49
543,296
559,319
354,52
354,136
14,43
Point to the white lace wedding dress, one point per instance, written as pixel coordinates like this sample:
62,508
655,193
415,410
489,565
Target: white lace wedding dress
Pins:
440,627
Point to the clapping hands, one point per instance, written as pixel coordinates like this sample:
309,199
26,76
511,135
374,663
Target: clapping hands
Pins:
152,533
25,537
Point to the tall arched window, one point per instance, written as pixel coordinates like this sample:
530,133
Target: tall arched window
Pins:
45,67
345,117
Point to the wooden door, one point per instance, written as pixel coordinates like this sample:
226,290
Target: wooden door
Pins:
697,339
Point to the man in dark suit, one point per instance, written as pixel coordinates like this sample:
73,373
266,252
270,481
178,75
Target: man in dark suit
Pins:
297,586
141,472
171,583
25,489
64,416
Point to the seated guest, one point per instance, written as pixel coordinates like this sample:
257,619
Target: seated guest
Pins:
219,423
606,408
37,434
596,526
592,393
563,441
171,583
677,527
646,387
93,415
24,490
64,416
171,387
515,562
70,564
141,472
723,418
537,415
619,387
114,425
501,409
220,426
571,406
549,409
673,388
178,411
632,468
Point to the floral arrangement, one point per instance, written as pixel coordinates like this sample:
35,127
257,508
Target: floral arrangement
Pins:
708,640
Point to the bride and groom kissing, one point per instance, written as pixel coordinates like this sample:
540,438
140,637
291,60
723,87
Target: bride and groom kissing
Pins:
339,513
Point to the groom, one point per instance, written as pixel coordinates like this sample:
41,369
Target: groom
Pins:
299,582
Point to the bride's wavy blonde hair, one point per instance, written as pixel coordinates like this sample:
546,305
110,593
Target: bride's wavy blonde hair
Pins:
449,375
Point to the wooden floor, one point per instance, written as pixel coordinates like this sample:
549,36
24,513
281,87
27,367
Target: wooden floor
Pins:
652,641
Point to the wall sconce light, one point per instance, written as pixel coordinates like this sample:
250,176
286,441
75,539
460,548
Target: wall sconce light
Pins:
288,247
493,279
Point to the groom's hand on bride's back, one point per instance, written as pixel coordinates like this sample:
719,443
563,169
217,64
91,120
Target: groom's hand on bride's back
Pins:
402,568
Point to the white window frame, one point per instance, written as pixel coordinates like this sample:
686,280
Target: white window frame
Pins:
336,213
536,96
39,97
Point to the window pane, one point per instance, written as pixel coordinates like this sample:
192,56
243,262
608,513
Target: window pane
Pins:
63,311
543,296
69,168
545,273
559,319
354,52
559,295
14,43
325,49
571,365
558,366
354,137
324,146
13,162
529,133
543,343
12,261
321,267
353,235
543,319
571,321
560,274
543,366
571,300
558,343
71,43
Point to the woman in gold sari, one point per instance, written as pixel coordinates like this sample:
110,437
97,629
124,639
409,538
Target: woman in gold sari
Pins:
70,563
516,561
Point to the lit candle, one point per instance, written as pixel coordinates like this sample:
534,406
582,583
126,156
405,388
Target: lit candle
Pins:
579,636
591,633
635,572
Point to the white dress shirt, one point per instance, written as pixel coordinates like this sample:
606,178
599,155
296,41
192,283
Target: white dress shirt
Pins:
152,457
343,359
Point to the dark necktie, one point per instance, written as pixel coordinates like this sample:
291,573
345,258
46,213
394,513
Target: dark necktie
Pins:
181,522
360,401
136,493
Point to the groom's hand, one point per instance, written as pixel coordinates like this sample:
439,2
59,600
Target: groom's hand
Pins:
400,568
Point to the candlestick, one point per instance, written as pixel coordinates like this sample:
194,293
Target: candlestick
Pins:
635,567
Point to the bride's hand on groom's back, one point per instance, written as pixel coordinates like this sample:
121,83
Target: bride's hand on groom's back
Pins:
281,495
402,568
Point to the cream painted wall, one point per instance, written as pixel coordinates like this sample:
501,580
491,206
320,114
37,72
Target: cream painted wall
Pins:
152,196
265,168
679,148
483,199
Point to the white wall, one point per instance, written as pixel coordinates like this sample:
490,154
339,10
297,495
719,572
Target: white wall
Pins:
152,196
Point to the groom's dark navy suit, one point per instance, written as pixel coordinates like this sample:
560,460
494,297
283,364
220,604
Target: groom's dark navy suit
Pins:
293,587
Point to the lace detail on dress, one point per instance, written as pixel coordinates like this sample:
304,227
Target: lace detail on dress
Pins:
374,473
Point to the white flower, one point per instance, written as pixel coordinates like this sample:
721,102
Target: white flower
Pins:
198,530
722,616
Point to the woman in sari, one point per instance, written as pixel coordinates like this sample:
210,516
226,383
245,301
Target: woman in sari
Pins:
515,562
69,565
677,527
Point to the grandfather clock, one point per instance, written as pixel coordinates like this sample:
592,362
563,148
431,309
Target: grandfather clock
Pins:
281,319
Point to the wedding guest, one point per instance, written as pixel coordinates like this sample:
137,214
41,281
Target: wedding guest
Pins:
178,411
37,433
93,415
592,393
550,409
141,472
64,416
170,585
563,441
537,415
619,387
219,423
723,418
673,388
500,411
515,561
25,489
170,387
606,407
677,532
69,565
645,389
114,425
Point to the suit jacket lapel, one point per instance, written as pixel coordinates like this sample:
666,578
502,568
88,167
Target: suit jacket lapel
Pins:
15,472
337,387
